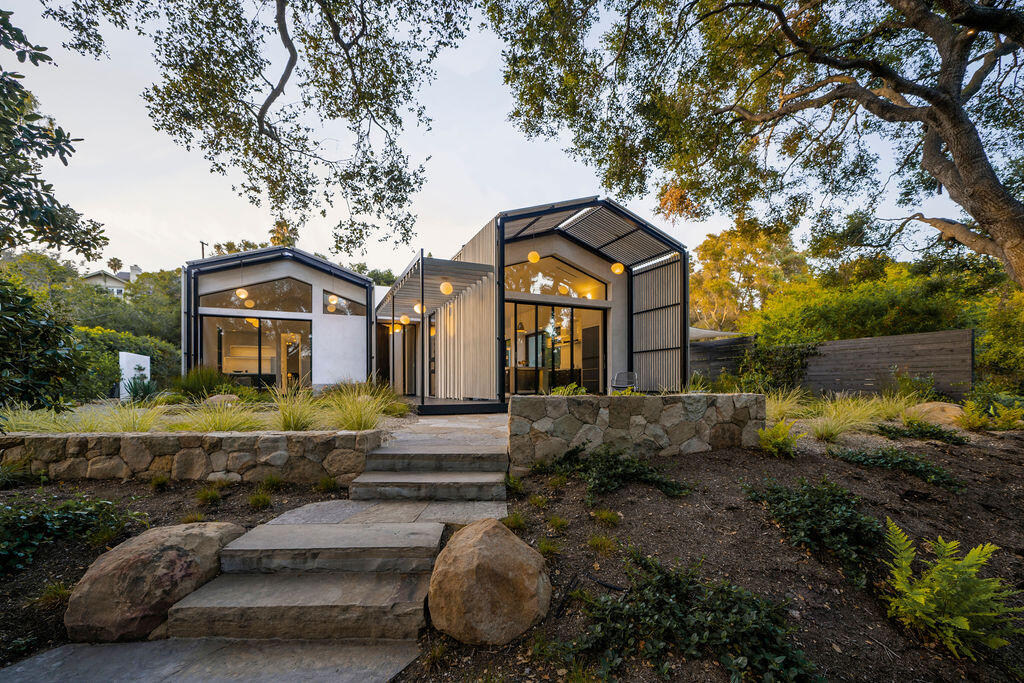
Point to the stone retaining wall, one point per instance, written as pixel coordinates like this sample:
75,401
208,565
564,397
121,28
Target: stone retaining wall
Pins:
544,427
228,456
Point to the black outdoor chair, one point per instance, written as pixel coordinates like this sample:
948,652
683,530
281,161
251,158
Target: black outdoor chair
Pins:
624,380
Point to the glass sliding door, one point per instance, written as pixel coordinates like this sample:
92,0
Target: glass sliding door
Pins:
553,346
258,351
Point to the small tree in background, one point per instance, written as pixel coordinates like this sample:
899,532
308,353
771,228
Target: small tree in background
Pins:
115,264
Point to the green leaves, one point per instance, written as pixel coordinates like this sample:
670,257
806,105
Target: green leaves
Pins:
29,210
892,458
605,470
671,610
824,519
948,602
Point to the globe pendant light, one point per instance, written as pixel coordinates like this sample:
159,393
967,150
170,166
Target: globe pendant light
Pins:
533,257
446,288
241,293
618,268
404,319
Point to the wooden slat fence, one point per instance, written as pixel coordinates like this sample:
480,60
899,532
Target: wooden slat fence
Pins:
864,364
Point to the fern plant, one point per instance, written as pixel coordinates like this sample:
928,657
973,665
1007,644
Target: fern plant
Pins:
779,440
974,418
571,389
949,603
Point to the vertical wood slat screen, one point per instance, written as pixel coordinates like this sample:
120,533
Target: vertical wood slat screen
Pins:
657,327
465,336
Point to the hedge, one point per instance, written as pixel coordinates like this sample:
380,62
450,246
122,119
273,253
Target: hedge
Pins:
100,346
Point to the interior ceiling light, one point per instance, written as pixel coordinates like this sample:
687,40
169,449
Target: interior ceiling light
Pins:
618,268
241,292
332,308
396,328
533,257
249,303
253,321
446,288
417,307
332,299
563,288
404,319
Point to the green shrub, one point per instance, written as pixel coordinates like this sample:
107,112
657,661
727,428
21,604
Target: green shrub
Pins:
605,470
244,392
140,389
921,387
599,543
912,428
671,611
326,485
200,382
558,481
824,519
558,524
208,495
571,389
40,362
25,525
101,346
765,367
516,521
259,500
892,458
606,517
1006,417
779,440
547,547
949,603
975,418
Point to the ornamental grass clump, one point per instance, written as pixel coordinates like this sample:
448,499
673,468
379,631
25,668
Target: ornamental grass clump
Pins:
121,417
296,410
220,417
948,603
824,519
786,404
353,410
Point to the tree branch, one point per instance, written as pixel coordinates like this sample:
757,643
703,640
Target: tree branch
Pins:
960,232
849,91
293,57
990,61
1007,22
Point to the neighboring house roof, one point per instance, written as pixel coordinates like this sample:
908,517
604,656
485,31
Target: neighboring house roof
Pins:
213,264
107,273
699,334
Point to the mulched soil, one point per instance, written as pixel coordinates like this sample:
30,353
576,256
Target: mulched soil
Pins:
842,629
27,628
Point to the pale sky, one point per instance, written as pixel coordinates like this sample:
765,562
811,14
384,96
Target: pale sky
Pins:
157,201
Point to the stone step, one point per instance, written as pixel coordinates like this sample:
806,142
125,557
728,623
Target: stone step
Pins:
313,606
437,457
375,485
379,547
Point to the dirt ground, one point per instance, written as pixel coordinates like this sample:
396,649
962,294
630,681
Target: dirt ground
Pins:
842,629
27,628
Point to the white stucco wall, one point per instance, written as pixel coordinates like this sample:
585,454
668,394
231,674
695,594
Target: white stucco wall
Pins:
339,351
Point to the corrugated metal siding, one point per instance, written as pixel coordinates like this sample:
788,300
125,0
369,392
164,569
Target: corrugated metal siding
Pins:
657,327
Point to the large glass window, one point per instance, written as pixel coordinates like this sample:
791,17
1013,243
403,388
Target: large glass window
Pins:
554,277
286,294
553,346
258,351
335,304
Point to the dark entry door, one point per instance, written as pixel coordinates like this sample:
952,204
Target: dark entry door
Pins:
590,366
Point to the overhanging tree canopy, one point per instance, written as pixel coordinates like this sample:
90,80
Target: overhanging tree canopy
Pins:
792,108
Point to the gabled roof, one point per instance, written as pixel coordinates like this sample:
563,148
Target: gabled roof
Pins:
212,264
601,225
107,273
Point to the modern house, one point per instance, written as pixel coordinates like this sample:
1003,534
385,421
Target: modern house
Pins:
580,291
577,291
277,316
114,283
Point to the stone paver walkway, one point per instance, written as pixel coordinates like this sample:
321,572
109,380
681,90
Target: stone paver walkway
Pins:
215,659
467,432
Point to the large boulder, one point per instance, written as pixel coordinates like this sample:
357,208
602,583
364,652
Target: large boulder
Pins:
488,586
127,591
936,412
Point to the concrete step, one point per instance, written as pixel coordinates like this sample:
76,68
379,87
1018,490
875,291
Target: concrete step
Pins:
314,606
379,547
376,485
437,457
